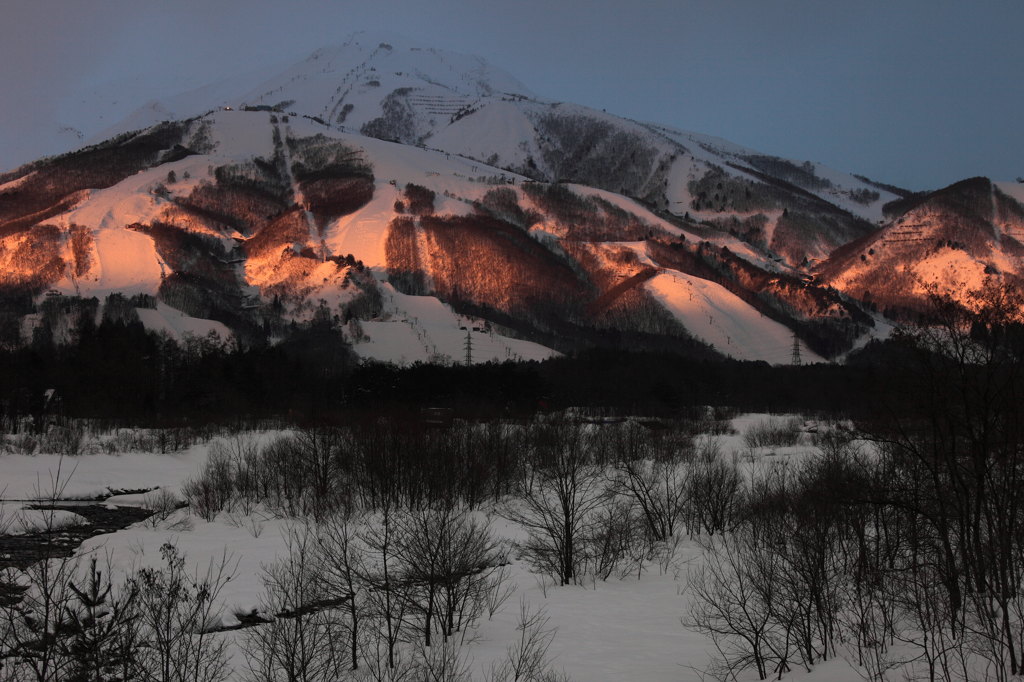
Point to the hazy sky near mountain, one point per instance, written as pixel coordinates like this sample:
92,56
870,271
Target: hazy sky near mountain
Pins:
918,93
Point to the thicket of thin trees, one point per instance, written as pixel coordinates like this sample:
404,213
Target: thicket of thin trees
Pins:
906,558
391,559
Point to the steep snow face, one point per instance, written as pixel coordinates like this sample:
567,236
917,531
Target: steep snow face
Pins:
499,129
238,136
225,92
121,259
127,262
1012,189
364,232
366,69
719,318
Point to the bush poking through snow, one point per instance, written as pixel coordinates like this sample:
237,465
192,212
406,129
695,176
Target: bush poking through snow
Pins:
773,433
63,440
209,493
443,662
176,615
527,657
163,502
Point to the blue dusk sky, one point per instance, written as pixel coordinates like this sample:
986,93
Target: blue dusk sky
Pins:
917,93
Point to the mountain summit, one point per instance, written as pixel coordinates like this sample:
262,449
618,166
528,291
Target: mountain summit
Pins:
347,85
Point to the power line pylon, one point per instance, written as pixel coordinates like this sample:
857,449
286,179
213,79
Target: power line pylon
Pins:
469,345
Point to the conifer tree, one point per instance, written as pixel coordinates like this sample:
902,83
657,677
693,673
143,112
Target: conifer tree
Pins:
102,644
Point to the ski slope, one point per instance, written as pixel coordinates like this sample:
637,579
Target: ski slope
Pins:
718,317
178,325
423,329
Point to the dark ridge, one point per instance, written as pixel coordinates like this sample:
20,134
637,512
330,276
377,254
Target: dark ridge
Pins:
898,191
962,195
55,179
817,201
846,252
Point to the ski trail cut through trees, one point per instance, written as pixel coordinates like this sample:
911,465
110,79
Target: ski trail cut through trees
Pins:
300,198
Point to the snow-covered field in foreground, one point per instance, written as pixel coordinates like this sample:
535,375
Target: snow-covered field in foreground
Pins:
625,628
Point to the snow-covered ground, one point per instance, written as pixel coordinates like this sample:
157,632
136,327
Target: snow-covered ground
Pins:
502,126
16,520
626,628
88,477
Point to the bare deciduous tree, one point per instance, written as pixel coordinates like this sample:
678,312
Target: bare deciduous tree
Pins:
659,488
527,658
557,498
301,643
734,592
381,573
340,560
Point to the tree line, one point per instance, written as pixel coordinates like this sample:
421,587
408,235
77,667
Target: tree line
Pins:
117,370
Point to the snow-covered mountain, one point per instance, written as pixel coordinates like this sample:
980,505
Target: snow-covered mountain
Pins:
950,240
435,209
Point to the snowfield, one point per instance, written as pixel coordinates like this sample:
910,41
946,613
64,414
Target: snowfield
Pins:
629,627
